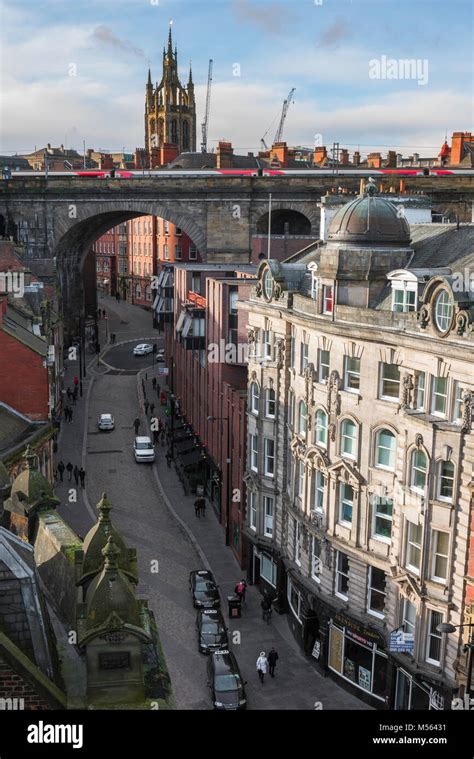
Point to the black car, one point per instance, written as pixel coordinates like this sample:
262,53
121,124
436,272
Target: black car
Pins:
212,632
204,590
225,681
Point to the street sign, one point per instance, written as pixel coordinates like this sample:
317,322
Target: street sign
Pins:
402,642
163,370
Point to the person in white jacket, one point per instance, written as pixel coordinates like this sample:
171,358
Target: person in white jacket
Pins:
262,665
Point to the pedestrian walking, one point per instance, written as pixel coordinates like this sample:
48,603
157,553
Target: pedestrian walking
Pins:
136,424
117,296
61,469
82,475
66,413
203,506
74,395
156,437
197,507
272,660
240,589
147,405
262,666
76,381
69,394
153,382
76,474
152,408
169,459
69,468
104,313
70,415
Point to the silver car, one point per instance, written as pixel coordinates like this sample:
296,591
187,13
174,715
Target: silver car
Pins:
106,422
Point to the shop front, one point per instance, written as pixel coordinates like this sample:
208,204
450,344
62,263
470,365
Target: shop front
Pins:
416,691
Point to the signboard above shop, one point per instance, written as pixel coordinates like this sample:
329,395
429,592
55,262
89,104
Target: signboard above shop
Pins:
402,642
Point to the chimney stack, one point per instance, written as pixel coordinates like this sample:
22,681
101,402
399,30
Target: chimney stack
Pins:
344,158
225,154
356,159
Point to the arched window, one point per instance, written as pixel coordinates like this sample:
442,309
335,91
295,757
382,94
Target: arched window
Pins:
446,481
270,403
174,131
349,439
185,135
302,418
138,291
385,449
419,469
148,292
321,429
254,397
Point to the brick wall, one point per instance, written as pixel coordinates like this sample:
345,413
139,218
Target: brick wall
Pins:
14,686
23,379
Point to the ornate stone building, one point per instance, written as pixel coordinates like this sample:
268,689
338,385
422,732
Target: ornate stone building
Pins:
360,449
170,108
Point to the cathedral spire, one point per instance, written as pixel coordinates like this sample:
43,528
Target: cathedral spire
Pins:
190,80
170,43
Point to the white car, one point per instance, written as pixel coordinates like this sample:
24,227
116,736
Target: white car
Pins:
106,422
143,349
143,450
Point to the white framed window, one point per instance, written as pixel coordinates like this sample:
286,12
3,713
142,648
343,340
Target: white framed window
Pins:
443,311
351,374
321,428
178,252
419,470
304,349
439,396
165,251
413,546
404,297
192,253
302,418
269,457
420,391
433,637
328,299
389,388
254,398
457,403
270,403
376,592
385,449
446,481
439,557
346,503
297,541
349,439
316,564
166,227
268,569
382,518
254,453
300,479
323,365
252,510
267,343
317,491
268,515
409,616
291,408
342,575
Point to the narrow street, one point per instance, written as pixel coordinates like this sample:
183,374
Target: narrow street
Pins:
158,520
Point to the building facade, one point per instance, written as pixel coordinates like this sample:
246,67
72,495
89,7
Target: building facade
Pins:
360,450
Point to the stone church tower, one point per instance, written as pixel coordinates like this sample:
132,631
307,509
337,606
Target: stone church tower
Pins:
170,108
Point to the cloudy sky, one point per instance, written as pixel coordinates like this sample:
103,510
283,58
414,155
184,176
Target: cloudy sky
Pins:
74,71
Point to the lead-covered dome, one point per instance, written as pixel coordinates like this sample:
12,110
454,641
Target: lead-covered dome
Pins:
369,220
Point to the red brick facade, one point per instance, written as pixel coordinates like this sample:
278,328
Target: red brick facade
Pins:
14,686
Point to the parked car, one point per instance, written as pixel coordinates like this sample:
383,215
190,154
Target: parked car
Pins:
143,349
212,632
204,590
143,450
225,681
106,422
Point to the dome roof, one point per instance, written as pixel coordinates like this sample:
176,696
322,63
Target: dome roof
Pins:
96,540
110,597
369,220
32,487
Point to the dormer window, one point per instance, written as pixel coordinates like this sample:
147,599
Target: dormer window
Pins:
328,299
268,285
404,296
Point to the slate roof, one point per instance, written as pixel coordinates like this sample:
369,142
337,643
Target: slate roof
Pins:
441,244
14,428
16,325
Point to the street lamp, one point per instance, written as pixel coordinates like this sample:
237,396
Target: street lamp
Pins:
229,474
446,628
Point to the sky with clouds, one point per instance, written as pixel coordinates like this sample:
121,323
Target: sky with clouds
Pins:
76,70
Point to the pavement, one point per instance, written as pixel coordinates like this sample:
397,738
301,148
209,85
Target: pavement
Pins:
158,519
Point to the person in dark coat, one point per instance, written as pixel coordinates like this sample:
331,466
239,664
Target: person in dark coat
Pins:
76,474
82,475
152,408
272,660
202,507
169,459
70,415
69,468
136,424
156,436
147,405
69,393
197,507
61,469
153,382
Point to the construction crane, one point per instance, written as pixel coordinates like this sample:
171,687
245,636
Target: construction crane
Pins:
286,105
205,123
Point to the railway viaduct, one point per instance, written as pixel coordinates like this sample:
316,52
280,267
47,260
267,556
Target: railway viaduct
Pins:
58,218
